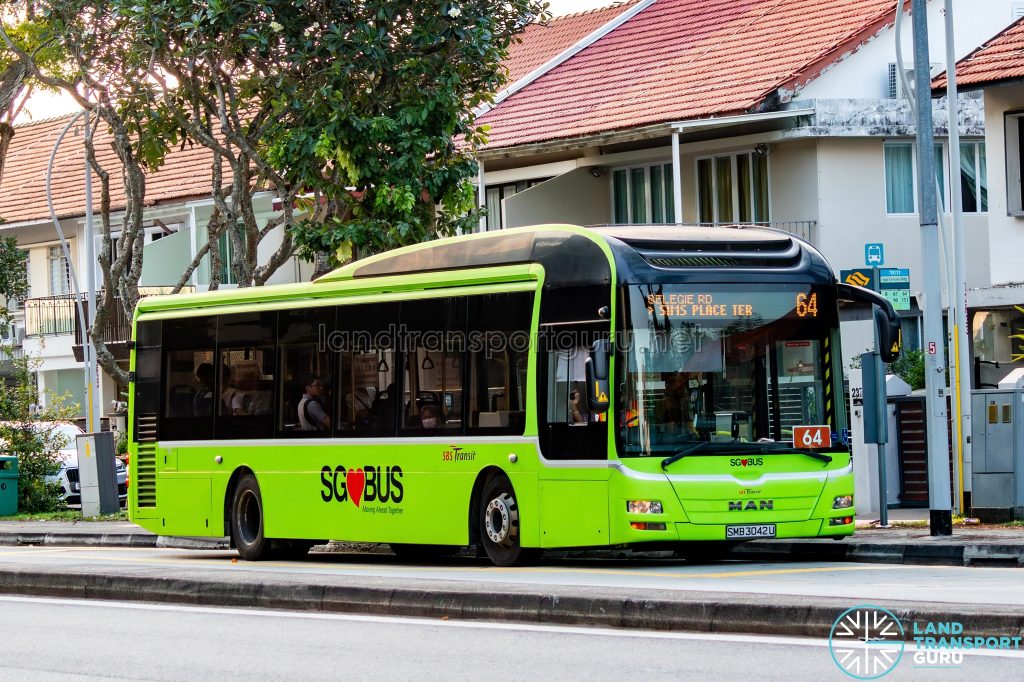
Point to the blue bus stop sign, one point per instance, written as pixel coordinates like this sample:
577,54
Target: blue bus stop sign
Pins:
874,254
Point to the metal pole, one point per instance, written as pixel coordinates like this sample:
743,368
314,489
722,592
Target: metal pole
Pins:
88,352
958,295
677,181
941,515
64,242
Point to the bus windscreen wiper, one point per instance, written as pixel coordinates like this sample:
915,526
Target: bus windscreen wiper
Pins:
684,452
764,448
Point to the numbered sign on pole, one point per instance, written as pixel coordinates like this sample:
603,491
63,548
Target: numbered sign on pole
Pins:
812,437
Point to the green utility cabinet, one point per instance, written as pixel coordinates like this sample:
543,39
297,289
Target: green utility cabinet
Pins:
8,486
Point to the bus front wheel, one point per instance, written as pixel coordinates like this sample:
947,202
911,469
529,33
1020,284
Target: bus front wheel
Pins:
499,523
247,520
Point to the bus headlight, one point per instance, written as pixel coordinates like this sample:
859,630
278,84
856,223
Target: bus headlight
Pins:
643,507
842,502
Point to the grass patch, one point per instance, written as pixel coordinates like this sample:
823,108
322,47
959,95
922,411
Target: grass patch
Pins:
66,515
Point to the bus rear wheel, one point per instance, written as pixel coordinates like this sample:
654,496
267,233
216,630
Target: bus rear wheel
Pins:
498,524
247,520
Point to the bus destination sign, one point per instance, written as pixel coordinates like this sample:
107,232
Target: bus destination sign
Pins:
722,305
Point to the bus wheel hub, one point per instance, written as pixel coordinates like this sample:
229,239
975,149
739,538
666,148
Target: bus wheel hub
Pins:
499,519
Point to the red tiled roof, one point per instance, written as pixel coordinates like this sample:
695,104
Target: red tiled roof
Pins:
184,175
1000,59
685,59
541,42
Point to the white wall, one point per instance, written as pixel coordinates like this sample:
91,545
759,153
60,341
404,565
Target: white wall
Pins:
794,181
1006,232
851,182
866,73
577,198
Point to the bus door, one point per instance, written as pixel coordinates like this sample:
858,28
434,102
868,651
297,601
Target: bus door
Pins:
573,439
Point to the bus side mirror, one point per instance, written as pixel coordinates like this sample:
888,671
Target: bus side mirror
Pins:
889,340
887,322
597,368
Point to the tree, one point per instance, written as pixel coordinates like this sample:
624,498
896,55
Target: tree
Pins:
19,20
358,114
352,110
30,434
13,284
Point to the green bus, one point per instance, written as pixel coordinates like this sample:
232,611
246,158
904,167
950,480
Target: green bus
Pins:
531,388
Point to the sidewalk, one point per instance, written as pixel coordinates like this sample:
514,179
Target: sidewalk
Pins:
95,534
968,546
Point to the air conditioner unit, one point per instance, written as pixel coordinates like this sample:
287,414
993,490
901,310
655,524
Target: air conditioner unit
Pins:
896,84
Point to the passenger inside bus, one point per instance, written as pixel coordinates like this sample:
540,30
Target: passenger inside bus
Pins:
202,402
430,416
312,416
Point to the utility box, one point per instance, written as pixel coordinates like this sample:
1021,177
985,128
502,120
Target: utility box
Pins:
998,449
867,497
97,474
8,486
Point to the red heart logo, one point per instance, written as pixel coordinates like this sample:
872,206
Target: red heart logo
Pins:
355,480
743,462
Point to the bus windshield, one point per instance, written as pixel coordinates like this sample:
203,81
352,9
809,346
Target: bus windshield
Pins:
725,363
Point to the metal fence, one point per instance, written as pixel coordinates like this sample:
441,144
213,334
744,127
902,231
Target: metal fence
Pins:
57,315
805,229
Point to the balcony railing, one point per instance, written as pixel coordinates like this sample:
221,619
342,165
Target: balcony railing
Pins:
8,353
57,315
805,229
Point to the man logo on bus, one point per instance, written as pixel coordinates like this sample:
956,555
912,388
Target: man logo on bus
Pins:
746,461
365,484
761,505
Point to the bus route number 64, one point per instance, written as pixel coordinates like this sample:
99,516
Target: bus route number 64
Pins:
812,437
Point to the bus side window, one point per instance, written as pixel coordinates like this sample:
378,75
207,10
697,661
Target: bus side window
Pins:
188,384
499,343
365,346
571,319
433,362
305,372
245,370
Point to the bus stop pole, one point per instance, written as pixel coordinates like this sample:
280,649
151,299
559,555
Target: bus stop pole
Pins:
939,495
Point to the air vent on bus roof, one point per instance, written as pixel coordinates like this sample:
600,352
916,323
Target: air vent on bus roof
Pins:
773,253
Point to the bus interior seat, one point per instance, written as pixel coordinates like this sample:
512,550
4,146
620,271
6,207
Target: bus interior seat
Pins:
182,401
497,419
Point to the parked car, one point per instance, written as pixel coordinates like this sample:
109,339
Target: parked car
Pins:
71,487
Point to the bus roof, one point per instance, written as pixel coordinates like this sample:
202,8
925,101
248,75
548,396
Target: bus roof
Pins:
570,255
573,255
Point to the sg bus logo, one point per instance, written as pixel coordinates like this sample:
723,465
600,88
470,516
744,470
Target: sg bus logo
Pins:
746,461
365,484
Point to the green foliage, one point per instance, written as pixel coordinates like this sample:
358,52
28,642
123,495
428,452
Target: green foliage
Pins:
13,283
909,366
31,436
368,105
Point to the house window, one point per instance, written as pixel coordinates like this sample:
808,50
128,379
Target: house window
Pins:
60,272
1014,164
973,177
900,174
227,253
643,194
733,189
